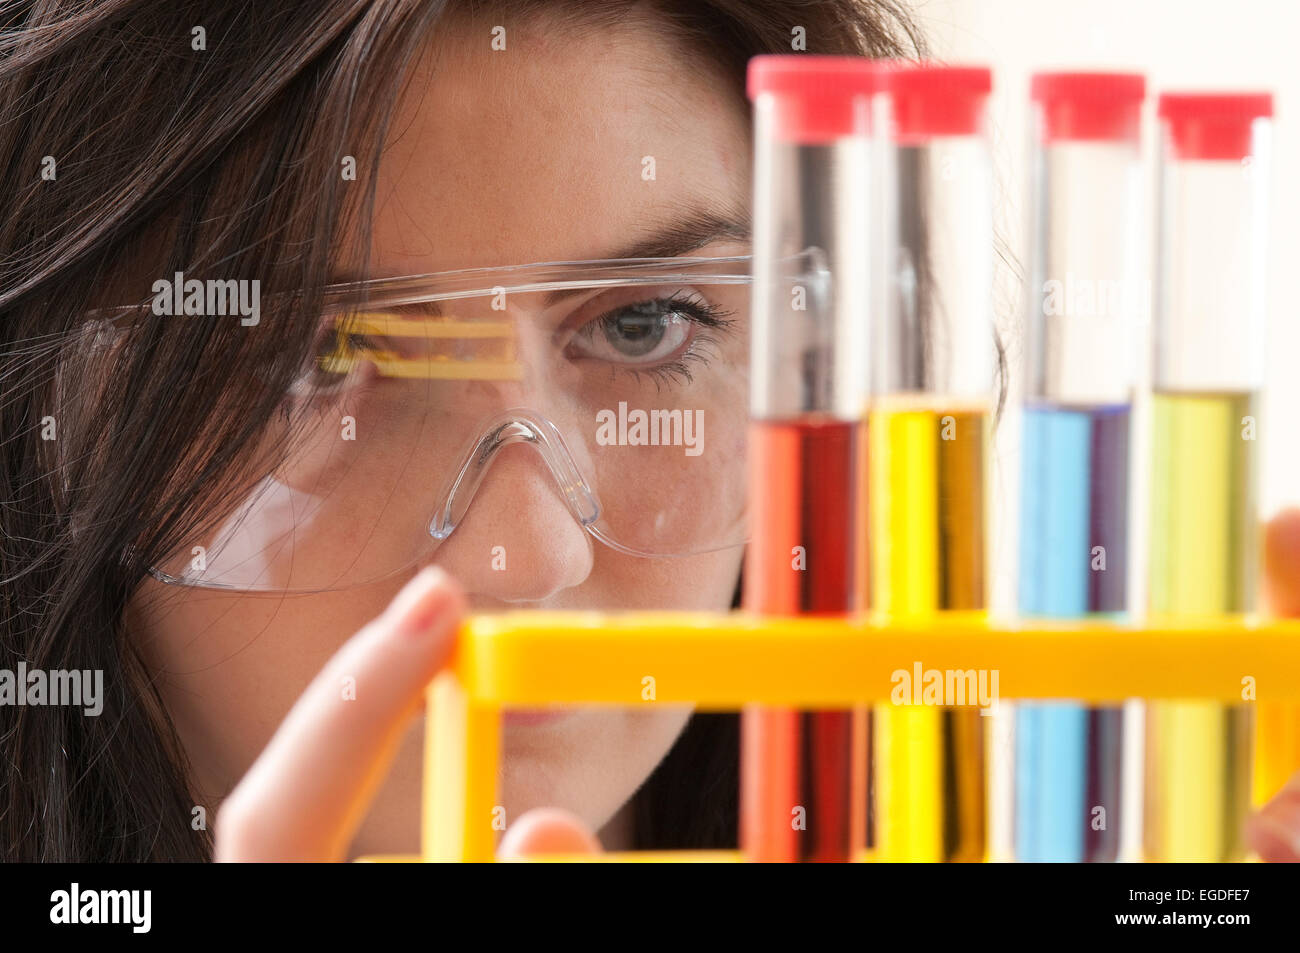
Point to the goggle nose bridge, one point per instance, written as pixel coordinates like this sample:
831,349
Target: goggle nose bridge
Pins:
518,425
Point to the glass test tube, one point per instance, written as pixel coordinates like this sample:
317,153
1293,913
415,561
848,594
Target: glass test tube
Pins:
811,219
1089,289
1208,373
933,376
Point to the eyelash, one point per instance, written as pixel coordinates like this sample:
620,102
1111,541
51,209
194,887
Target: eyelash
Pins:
328,340
694,307
697,310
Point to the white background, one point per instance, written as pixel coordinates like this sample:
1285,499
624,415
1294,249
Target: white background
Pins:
1178,44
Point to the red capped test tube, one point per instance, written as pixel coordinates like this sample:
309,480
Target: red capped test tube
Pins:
1089,291
811,306
933,387
1210,338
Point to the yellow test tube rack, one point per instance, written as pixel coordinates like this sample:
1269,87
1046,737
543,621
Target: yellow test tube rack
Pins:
722,662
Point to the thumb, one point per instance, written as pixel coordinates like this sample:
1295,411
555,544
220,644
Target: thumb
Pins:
547,830
1274,831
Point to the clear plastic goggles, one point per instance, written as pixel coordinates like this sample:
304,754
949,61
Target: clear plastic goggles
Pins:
627,379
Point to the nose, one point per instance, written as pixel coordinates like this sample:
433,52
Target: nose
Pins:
519,541
481,398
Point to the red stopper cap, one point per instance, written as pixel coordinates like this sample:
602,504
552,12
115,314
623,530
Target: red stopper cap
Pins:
931,101
1089,107
1212,125
820,97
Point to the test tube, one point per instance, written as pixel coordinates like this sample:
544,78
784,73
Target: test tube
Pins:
1207,377
929,427
807,389
1088,292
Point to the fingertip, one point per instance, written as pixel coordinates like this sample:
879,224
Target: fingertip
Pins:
1282,541
1282,562
1271,839
429,603
1282,536
547,830
1274,830
455,592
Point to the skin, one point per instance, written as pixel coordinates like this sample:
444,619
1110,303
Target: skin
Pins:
333,779
336,778
306,794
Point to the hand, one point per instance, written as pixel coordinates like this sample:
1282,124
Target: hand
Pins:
307,793
1274,831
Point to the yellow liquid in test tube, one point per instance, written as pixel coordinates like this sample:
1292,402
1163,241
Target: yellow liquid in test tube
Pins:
1203,562
926,494
1277,747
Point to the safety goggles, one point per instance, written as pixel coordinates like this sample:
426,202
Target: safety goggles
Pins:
621,385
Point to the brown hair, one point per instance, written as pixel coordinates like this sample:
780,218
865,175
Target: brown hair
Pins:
225,160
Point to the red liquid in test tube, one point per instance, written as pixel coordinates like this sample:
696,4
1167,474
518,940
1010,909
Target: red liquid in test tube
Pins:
808,391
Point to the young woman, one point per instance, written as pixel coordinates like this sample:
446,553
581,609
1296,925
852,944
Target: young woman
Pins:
305,145
266,591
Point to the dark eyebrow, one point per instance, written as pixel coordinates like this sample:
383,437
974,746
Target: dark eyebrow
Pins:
696,230
691,233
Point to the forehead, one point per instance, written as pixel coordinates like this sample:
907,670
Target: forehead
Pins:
566,145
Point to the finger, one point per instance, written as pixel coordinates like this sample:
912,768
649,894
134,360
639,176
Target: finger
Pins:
1274,831
547,830
309,790
1282,563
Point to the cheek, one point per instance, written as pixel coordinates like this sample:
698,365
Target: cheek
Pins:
235,661
206,625
705,583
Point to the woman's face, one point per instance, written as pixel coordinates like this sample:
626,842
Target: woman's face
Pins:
533,153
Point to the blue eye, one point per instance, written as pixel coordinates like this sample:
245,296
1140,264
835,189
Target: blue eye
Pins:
643,333
657,335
